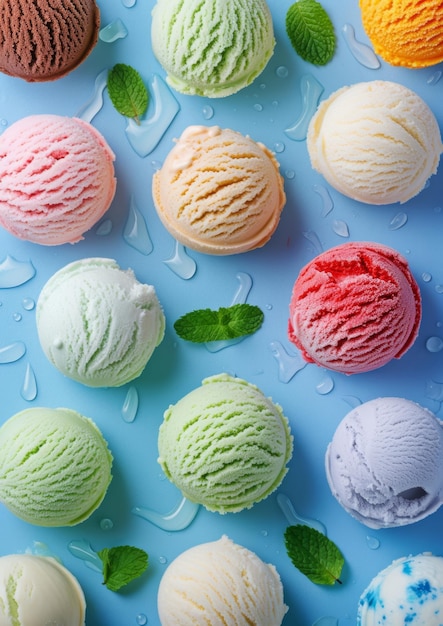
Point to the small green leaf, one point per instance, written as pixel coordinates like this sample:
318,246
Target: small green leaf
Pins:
127,91
226,323
316,556
311,31
122,564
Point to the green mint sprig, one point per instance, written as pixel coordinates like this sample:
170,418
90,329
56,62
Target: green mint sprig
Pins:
122,564
127,91
231,322
311,31
316,556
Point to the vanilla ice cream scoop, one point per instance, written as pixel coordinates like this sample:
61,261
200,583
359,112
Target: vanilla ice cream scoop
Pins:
377,142
220,582
97,323
385,462
219,192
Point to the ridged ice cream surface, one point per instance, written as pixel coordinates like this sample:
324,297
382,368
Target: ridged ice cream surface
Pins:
219,192
97,323
39,590
42,40
408,591
377,142
407,33
385,462
212,48
219,583
355,307
56,178
225,445
55,466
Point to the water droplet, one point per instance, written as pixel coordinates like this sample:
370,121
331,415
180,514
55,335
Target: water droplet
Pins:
327,620
4,122
129,3
288,364
28,304
106,523
94,105
360,51
434,344
82,550
240,297
282,71
104,229
113,31
29,388
372,542
340,228
325,386
352,401
426,277
130,405
162,559
264,533
434,78
439,288
327,202
17,317
311,91
293,517
136,232
290,174
268,307
279,147
14,273
208,112
398,221
312,237
12,352
178,519
434,390
156,165
181,263
141,619
258,107
145,136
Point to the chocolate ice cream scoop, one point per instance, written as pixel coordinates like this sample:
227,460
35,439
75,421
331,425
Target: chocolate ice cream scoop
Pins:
42,40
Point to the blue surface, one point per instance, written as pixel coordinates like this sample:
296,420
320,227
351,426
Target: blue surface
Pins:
313,399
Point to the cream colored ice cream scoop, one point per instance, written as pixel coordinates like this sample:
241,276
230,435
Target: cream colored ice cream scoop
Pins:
219,192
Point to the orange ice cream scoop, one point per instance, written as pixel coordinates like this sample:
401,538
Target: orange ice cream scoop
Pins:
408,33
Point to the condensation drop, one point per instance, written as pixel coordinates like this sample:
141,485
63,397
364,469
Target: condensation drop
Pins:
258,107
141,619
398,221
372,542
106,523
325,386
104,229
208,112
28,304
439,288
434,390
434,344
162,559
340,228
282,71
17,317
426,277
12,352
279,147
29,388
290,174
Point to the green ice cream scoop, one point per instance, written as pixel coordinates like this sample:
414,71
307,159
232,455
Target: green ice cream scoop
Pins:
212,48
225,445
55,466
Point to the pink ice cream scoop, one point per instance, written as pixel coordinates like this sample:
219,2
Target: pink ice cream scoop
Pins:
56,178
354,308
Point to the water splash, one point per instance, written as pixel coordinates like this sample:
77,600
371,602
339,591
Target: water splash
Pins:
293,517
311,91
135,232
340,228
113,31
14,273
29,390
181,263
178,519
94,105
240,297
327,202
288,364
312,237
361,52
398,221
82,550
12,352
145,136
130,405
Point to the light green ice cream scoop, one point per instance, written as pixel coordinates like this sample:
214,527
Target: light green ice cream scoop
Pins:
97,323
212,48
225,445
55,466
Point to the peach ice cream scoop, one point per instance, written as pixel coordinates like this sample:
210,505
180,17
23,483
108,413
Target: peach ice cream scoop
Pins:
56,178
354,308
408,33
219,192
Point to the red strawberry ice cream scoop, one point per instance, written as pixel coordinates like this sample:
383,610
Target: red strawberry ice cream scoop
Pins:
354,308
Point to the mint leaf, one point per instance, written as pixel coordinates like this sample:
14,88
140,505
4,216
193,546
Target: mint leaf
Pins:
316,556
311,31
226,323
122,564
127,91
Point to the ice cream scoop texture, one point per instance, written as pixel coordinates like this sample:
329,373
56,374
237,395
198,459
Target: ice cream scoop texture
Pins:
225,445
